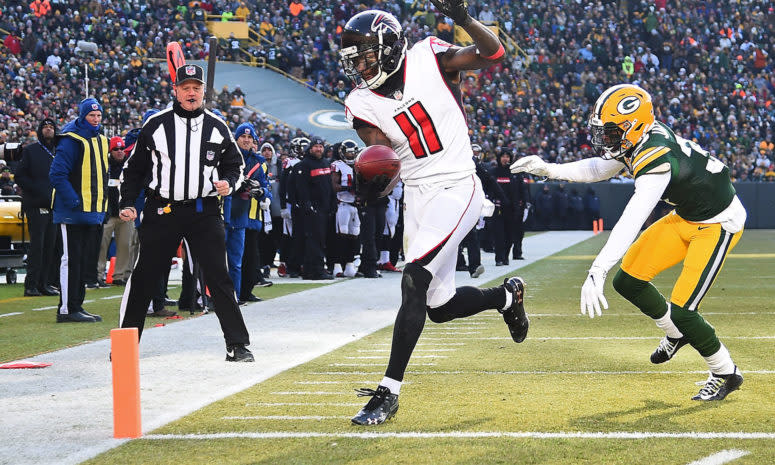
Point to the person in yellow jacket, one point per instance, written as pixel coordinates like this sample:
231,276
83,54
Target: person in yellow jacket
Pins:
79,176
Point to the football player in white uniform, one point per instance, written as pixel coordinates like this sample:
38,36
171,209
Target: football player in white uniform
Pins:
348,223
409,99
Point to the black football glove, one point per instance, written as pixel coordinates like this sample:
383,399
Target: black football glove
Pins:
457,10
253,188
372,189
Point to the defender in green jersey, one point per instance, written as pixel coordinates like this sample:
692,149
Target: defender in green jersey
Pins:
706,224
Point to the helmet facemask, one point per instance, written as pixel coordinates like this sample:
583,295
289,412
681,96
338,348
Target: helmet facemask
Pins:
299,146
348,151
608,139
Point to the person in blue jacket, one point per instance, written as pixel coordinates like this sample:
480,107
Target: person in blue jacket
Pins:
258,214
79,176
236,207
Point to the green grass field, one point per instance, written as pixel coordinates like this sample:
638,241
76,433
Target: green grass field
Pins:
473,396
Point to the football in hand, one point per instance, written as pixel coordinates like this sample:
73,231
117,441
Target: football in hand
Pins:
377,168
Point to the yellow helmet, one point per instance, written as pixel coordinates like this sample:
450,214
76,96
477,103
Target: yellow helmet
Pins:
622,115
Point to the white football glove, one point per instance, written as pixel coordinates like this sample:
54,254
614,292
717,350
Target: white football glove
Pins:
532,164
592,293
265,204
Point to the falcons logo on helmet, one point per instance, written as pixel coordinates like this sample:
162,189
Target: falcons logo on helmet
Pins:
383,22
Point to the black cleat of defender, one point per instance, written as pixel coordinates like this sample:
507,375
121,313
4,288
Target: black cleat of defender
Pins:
717,387
668,346
514,316
382,406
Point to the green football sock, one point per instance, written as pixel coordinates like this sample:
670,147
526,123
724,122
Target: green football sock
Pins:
699,332
642,294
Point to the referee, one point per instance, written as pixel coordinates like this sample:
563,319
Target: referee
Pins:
185,157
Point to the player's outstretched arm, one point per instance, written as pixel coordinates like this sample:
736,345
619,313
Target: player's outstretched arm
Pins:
487,49
588,170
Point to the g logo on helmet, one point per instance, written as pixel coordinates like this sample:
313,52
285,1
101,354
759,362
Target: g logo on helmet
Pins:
628,105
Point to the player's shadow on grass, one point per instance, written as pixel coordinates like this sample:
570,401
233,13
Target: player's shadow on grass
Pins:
652,414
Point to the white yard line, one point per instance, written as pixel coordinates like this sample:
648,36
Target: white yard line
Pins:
51,307
10,314
536,372
419,351
467,435
369,357
582,338
308,393
376,364
75,393
720,458
288,417
304,404
339,382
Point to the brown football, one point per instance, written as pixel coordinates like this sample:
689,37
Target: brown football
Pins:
377,160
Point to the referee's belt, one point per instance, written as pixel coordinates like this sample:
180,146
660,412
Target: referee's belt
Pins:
158,198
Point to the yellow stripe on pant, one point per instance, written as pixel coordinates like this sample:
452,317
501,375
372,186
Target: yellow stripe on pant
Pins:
702,247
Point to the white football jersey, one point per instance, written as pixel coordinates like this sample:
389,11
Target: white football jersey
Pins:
346,181
426,124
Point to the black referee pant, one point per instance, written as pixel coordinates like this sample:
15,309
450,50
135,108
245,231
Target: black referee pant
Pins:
160,236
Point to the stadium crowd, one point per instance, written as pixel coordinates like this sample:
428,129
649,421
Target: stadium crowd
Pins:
708,65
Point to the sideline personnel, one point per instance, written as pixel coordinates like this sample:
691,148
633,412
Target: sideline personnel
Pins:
185,157
79,176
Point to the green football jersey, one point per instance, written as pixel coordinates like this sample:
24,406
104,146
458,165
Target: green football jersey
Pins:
699,188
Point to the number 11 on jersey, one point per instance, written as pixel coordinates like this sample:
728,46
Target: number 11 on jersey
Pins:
419,129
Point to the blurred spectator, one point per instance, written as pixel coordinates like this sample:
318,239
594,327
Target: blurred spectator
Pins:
32,176
7,185
114,227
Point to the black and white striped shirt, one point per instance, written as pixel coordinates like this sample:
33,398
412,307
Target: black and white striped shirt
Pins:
179,154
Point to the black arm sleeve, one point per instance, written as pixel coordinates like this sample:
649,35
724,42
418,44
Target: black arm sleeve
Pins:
490,186
22,176
137,170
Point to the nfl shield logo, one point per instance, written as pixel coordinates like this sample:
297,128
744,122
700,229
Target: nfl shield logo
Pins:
94,106
398,95
210,155
190,71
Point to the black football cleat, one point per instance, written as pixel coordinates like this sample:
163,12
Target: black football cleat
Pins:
668,346
514,316
717,387
238,353
382,406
